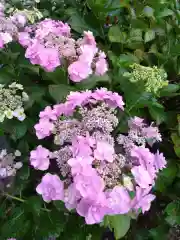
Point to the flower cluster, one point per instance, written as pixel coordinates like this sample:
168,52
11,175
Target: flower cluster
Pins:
12,99
8,167
49,44
98,172
15,21
153,79
8,30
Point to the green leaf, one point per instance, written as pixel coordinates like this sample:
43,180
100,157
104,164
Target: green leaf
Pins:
17,226
78,23
149,36
59,92
176,140
60,206
57,76
33,205
49,224
119,223
165,13
166,177
169,89
158,114
116,35
173,208
92,81
18,130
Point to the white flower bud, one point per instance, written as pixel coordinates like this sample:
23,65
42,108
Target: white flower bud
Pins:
18,165
9,114
17,153
128,183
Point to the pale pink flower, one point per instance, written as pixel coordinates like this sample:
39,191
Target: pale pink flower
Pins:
51,188
142,199
101,67
142,176
79,71
48,113
104,151
159,161
93,211
119,201
39,158
71,197
24,38
89,38
43,128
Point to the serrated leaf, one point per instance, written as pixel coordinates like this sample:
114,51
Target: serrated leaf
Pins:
116,35
60,91
149,35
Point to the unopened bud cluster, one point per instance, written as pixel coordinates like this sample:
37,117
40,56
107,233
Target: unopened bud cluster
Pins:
152,79
12,99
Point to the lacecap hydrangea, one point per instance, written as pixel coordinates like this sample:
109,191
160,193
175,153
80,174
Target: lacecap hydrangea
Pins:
99,173
49,44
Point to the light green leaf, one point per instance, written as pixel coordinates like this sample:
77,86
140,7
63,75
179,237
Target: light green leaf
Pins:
149,35
165,13
116,35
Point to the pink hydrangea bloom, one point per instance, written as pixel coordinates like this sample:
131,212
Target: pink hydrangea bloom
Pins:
49,59
104,151
89,186
79,71
111,98
101,67
51,188
159,161
71,197
39,158
136,122
93,212
81,146
119,201
89,38
48,113
79,98
1,43
142,176
24,39
87,55
142,199
43,128
152,133
144,156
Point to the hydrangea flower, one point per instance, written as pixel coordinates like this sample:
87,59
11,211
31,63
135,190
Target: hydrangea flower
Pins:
39,158
49,44
97,170
51,188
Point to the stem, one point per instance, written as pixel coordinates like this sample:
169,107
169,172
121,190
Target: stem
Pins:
13,197
22,200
